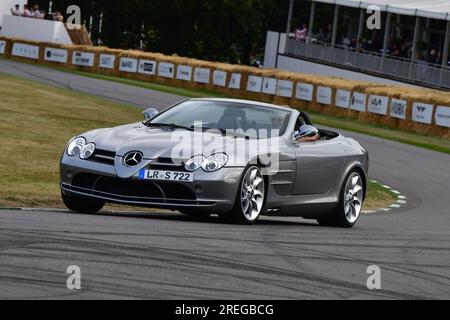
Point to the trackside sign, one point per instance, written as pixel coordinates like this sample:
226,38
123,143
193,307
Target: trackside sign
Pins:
304,91
55,55
284,88
254,84
128,65
85,59
324,95
378,104
235,81
219,78
147,66
422,112
358,102
398,108
25,51
442,116
166,70
107,61
342,98
184,72
269,85
2,46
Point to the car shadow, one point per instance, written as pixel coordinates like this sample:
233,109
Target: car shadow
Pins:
213,219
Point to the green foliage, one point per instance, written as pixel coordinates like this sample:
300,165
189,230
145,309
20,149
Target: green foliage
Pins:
221,30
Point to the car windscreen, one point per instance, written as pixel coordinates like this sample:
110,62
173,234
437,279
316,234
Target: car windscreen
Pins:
252,120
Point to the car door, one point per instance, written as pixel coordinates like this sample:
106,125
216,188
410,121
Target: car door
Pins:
319,166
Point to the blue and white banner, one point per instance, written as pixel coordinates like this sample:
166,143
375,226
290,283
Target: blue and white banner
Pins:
358,102
378,104
147,66
184,72
201,75
55,55
398,108
235,81
324,95
422,112
2,46
269,85
284,88
343,98
442,116
219,78
128,65
107,61
254,84
25,51
166,70
304,91
85,59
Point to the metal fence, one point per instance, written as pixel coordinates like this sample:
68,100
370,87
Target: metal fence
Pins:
419,71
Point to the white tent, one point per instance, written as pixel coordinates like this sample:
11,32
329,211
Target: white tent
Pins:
434,9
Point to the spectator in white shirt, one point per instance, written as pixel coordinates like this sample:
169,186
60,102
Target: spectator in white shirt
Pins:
26,12
36,12
16,10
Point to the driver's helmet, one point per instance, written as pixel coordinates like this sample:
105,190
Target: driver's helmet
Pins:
305,131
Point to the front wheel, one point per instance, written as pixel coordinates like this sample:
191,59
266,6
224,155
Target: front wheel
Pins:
82,204
350,203
250,198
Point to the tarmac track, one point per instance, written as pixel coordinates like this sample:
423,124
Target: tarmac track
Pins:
168,256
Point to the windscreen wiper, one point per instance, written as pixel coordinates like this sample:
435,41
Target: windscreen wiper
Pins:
167,125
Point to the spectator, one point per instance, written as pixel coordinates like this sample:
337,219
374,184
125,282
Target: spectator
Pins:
16,11
58,16
36,12
43,14
301,33
434,57
26,12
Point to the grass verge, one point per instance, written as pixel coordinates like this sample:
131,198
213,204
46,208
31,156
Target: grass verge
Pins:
36,122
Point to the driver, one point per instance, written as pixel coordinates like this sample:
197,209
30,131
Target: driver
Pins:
277,121
306,133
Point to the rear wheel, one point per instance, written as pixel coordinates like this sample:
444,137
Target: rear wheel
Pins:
250,198
350,203
82,204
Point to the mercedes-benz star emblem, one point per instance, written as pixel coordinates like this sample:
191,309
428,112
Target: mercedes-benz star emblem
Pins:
132,158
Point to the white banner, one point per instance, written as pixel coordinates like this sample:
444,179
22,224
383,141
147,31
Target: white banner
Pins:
107,61
147,66
343,98
442,116
128,65
284,88
235,81
254,84
2,46
201,75
166,69
85,59
324,95
398,108
25,51
184,72
56,55
269,85
422,112
304,91
219,78
378,104
358,102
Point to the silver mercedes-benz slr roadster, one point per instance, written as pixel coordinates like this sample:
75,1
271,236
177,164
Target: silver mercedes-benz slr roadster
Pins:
235,158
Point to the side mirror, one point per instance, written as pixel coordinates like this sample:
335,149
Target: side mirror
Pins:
306,131
150,113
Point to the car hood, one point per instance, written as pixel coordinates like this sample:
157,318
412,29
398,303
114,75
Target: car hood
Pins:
157,142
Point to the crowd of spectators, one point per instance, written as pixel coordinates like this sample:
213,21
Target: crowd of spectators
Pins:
34,12
397,48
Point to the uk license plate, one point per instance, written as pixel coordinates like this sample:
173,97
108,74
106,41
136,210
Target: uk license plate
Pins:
166,175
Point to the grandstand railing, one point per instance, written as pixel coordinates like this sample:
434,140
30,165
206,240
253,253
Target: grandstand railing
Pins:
389,66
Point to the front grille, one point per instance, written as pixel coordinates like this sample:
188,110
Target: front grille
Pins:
103,156
167,164
127,190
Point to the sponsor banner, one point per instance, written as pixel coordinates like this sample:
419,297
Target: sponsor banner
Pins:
398,108
56,55
201,75
2,46
147,66
166,70
85,59
254,84
219,78
128,65
25,51
304,91
184,73
324,95
107,61
235,81
422,112
284,88
269,85
343,98
378,104
442,116
358,102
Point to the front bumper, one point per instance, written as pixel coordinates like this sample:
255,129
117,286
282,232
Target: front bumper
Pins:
210,191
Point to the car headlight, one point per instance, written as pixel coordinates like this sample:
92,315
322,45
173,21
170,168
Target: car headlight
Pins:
87,151
76,147
194,163
215,162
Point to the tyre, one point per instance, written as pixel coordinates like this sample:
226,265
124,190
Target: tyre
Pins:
350,202
82,204
250,198
198,214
